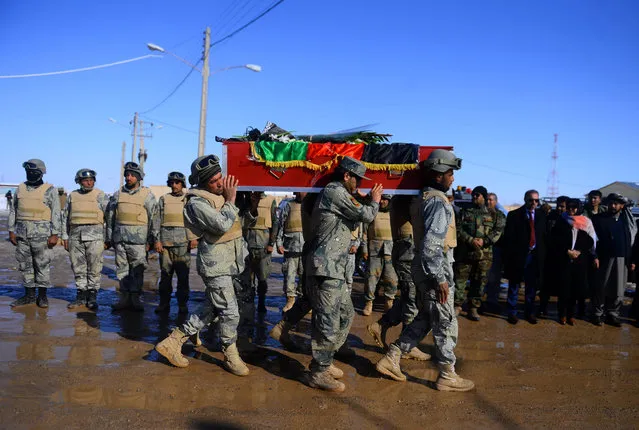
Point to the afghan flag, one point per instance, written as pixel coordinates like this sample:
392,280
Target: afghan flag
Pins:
324,156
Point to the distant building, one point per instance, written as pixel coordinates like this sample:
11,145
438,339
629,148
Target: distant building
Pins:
629,190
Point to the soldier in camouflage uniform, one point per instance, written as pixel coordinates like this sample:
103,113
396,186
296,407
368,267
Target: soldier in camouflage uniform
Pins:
433,223
210,213
172,245
406,309
261,236
478,229
290,241
130,230
378,249
83,237
336,214
356,242
34,226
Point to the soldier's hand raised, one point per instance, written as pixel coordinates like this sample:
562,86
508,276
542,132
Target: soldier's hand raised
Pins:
13,238
376,193
229,184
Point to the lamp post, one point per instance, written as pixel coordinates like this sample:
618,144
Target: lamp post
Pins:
205,82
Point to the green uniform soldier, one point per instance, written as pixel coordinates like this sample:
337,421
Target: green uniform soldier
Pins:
83,236
478,229
336,214
210,214
433,220
173,245
261,236
34,226
130,230
290,241
378,243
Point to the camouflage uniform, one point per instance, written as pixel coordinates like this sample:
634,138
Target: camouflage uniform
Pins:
356,242
335,216
291,238
221,257
83,227
176,255
130,238
379,242
259,235
433,223
477,222
32,252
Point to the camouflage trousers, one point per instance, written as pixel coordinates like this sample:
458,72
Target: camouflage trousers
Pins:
302,305
291,269
332,318
350,271
245,296
86,262
440,318
406,308
477,273
130,262
221,303
380,271
34,258
260,263
175,259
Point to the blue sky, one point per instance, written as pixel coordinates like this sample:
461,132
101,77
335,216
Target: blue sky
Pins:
494,79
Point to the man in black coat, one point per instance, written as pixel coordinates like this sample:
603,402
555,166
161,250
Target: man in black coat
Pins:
524,254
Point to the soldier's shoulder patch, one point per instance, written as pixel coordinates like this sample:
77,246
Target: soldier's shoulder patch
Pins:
355,202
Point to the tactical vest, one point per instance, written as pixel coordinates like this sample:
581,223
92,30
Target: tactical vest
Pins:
173,210
406,230
264,221
380,228
217,202
31,205
131,210
85,208
294,220
450,241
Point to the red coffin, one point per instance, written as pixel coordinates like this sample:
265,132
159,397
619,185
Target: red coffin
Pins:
255,176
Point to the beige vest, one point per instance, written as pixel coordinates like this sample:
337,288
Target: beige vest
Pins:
380,228
294,220
217,202
450,241
173,210
85,208
131,210
355,234
405,230
31,205
264,220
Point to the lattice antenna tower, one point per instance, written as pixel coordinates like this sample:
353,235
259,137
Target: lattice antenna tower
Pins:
553,189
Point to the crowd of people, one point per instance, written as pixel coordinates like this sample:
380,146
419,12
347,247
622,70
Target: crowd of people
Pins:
430,260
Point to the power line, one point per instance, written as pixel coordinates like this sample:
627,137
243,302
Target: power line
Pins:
171,125
247,24
174,90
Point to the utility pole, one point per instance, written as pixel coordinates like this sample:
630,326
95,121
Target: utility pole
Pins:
122,163
201,146
135,133
142,154
553,189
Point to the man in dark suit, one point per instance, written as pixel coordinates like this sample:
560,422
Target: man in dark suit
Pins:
524,254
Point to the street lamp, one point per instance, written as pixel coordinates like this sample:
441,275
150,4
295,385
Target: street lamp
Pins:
205,82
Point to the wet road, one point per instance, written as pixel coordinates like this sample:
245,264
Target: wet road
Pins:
79,369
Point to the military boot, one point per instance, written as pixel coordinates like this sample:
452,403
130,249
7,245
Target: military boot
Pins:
171,348
325,381
290,301
416,354
335,372
232,361
42,301
280,332
448,380
195,339
388,304
261,297
378,331
473,315
80,300
368,308
164,306
389,364
136,303
92,300
123,303
28,298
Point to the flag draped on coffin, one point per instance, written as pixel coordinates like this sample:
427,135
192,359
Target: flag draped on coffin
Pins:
323,156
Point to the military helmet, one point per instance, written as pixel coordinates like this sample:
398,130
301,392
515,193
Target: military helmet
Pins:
84,174
203,168
135,168
35,164
60,190
441,160
386,197
176,176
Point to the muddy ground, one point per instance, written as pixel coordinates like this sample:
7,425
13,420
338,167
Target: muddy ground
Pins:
79,369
